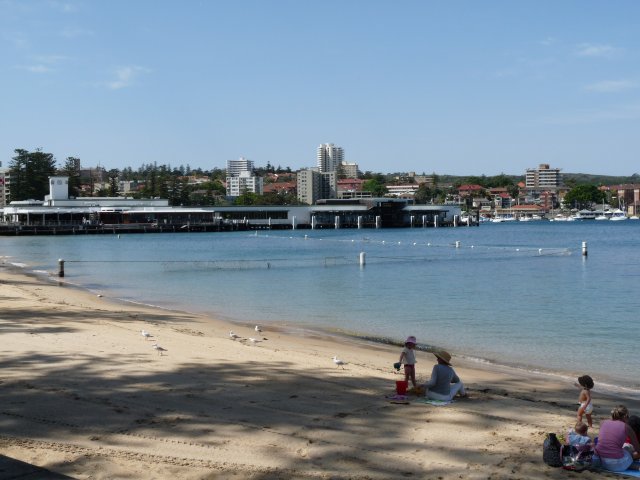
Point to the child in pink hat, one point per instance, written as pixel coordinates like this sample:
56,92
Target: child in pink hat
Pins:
408,358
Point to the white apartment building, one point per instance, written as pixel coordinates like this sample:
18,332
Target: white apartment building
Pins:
234,167
330,157
241,179
313,185
543,178
244,182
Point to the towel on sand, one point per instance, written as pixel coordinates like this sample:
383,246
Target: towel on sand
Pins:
628,473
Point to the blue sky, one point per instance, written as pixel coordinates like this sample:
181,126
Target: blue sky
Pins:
452,87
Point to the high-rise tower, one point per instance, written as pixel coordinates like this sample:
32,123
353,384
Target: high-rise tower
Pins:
329,157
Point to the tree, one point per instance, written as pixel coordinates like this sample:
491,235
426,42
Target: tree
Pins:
424,194
247,198
71,169
375,186
584,196
113,182
30,172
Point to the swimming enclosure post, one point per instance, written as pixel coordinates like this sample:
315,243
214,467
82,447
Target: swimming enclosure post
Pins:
359,221
337,221
363,256
60,268
378,221
584,249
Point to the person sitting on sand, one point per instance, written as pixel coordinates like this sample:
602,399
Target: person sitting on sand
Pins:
634,423
444,383
610,449
578,435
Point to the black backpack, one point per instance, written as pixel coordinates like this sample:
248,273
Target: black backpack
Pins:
551,451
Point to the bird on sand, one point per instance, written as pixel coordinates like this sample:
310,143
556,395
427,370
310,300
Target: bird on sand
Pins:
258,329
145,334
338,362
253,340
233,336
158,348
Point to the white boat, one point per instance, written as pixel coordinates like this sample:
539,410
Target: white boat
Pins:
560,218
602,216
584,215
618,215
634,217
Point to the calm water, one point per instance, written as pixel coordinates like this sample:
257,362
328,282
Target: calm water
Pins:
511,293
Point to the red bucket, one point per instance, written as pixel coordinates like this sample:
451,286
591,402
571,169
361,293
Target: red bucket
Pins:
401,387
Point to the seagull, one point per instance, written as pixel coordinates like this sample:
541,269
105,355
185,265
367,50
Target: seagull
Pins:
339,362
233,336
158,348
258,329
145,334
253,340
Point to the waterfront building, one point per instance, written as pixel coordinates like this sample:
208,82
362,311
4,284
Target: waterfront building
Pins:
330,157
628,198
58,214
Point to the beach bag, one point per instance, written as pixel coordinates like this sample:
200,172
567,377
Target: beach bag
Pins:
551,451
576,458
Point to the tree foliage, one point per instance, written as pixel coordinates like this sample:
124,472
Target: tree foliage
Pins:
376,186
584,196
30,172
71,169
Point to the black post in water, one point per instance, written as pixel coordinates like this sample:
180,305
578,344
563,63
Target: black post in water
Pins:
60,267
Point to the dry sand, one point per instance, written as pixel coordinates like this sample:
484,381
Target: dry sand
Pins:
85,395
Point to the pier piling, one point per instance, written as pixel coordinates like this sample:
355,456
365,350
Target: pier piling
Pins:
60,268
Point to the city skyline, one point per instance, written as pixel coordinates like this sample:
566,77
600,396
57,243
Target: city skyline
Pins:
461,88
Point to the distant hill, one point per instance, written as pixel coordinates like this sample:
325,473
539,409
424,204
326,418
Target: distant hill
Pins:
580,178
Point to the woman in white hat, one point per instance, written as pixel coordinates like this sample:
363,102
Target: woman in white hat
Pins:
444,383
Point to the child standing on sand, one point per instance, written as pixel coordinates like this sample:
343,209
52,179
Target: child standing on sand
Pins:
586,407
408,357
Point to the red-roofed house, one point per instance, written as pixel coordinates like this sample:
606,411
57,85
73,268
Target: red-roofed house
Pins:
469,190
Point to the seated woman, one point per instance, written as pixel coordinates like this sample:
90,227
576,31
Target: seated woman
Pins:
444,384
611,439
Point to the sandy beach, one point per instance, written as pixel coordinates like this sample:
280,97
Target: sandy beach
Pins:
84,394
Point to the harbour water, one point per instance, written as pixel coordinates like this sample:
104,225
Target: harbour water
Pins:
517,293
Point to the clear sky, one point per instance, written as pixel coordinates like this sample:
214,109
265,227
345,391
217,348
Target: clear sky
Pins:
453,87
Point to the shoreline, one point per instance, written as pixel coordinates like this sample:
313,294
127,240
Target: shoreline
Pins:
610,386
85,395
